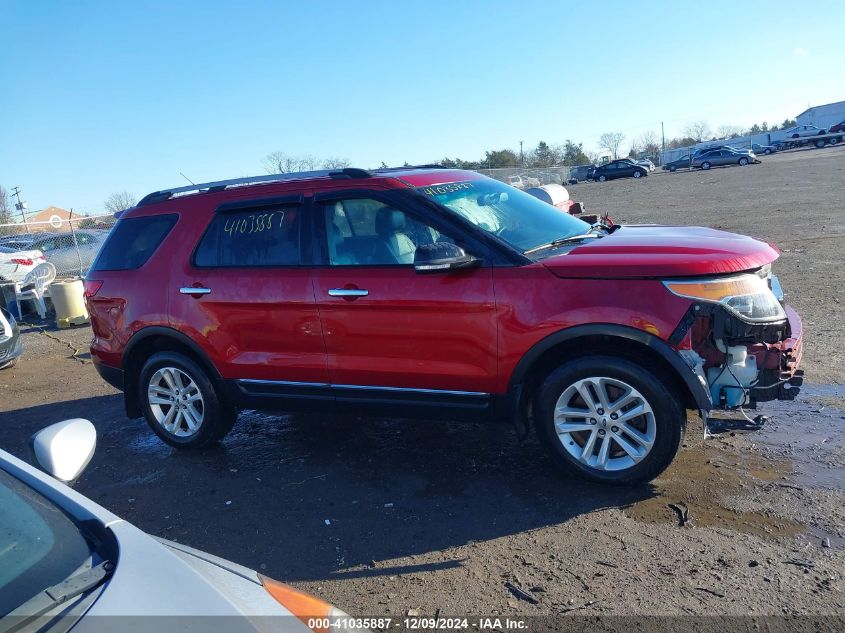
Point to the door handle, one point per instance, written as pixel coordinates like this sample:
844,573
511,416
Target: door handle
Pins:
195,291
348,292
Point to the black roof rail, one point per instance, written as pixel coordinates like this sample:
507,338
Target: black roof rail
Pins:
220,185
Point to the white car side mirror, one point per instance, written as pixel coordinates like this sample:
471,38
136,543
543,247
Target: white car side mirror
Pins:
64,449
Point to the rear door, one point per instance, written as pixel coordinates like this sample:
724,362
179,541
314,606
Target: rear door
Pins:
246,296
392,333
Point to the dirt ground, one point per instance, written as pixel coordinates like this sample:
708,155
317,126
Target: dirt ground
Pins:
386,516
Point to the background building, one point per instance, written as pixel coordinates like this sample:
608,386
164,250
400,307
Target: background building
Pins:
823,116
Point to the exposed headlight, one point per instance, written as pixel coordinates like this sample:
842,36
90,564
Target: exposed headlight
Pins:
747,296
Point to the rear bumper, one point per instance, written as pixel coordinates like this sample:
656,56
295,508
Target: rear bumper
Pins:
112,375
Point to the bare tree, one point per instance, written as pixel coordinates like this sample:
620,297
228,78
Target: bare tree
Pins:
699,130
5,209
281,163
611,141
647,142
729,131
119,202
335,162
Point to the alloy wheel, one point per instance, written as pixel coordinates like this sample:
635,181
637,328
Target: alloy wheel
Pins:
605,423
176,401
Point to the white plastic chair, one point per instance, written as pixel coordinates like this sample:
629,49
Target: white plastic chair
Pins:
40,279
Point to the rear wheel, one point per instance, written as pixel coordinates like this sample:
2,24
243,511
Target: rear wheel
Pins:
180,402
609,420
705,165
820,143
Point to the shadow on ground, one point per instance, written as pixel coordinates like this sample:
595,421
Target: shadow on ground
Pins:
309,496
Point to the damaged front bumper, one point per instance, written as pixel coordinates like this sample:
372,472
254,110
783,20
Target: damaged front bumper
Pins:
740,363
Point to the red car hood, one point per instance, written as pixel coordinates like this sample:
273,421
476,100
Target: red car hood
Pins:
662,251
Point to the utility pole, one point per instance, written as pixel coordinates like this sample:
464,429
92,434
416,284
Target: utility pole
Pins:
521,156
662,142
21,206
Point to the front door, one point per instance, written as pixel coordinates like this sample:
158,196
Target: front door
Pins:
390,332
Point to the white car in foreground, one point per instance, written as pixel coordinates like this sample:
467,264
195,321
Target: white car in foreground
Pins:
64,561
14,264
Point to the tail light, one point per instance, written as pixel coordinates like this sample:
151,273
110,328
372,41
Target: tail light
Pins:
22,262
92,287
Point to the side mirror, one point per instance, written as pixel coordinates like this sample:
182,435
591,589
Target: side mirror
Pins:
442,257
64,449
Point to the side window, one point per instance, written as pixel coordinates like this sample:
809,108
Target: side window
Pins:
366,232
133,241
251,238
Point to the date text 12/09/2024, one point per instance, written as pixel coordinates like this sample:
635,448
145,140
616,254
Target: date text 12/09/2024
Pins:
418,624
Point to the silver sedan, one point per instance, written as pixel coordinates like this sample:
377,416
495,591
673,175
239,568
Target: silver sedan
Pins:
64,561
716,157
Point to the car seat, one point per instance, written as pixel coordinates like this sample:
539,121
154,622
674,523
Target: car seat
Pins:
395,246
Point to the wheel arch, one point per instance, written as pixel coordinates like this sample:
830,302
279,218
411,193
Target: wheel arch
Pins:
608,339
147,342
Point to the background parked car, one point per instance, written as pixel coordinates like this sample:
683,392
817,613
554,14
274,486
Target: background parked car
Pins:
763,149
644,162
839,127
717,157
581,172
60,250
10,342
800,131
622,168
15,264
679,163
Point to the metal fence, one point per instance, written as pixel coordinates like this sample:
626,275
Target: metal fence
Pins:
71,245
525,178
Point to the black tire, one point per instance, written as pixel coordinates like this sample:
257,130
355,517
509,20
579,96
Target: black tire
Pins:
796,136
820,143
668,414
833,141
9,364
672,168
638,173
218,416
767,152
601,178
743,162
705,165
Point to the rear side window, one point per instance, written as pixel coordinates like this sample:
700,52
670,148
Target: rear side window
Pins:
257,237
133,241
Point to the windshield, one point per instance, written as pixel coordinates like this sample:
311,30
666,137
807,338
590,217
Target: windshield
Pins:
39,545
513,216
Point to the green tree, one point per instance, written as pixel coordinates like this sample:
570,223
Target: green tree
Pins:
787,123
764,127
543,156
755,129
500,158
573,154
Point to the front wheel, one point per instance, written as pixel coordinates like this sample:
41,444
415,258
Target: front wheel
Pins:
180,402
638,174
602,178
743,161
609,420
672,168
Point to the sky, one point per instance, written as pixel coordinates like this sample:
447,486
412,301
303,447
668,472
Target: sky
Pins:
100,97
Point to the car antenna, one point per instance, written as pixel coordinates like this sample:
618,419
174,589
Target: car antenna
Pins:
186,178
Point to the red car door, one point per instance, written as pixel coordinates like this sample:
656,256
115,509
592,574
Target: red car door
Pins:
247,300
390,331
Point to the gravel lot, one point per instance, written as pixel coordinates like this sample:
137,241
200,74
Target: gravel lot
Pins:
383,516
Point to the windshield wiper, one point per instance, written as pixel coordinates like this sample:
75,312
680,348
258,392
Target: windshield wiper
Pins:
56,595
561,241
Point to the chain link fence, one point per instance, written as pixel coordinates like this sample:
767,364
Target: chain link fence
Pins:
525,178
71,245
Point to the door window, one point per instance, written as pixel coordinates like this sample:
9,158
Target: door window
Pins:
257,237
366,232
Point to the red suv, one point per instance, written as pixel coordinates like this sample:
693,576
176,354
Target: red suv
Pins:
434,293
